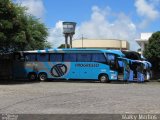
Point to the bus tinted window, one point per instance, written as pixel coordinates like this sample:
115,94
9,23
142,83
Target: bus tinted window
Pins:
30,57
84,57
70,57
111,60
110,57
43,57
120,63
56,57
98,57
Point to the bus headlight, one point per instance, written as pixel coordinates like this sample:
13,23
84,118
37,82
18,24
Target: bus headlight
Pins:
113,75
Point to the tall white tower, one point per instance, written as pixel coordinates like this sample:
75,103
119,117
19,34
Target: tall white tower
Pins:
68,31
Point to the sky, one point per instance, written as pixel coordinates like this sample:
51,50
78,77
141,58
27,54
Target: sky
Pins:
97,19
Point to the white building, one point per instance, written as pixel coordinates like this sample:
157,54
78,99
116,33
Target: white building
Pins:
143,40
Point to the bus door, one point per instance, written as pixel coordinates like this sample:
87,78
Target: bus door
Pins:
113,65
18,66
123,69
138,70
147,70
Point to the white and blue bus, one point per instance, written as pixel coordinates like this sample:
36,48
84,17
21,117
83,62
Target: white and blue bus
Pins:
84,64
138,61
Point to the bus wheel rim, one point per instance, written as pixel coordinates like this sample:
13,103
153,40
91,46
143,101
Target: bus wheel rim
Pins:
42,77
103,78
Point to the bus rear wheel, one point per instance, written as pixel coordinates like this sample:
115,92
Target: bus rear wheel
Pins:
103,78
32,76
42,77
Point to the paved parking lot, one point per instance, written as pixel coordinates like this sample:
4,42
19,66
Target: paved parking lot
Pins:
79,97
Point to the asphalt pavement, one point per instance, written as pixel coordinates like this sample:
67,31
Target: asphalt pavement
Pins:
79,98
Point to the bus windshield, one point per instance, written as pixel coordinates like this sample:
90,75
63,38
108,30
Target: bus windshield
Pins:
112,61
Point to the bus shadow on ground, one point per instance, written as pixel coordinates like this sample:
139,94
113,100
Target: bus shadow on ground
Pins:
88,81
73,81
15,82
118,82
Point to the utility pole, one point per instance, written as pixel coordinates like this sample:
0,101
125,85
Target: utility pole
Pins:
120,44
82,40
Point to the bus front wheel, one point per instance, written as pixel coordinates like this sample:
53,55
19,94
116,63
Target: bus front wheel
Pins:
103,78
42,77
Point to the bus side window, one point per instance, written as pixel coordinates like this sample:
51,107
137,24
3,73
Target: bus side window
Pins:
30,57
84,57
56,57
69,57
98,57
43,57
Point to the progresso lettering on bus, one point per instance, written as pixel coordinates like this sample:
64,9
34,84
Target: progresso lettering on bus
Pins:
87,65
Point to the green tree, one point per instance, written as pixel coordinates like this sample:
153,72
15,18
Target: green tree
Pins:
18,30
63,46
152,51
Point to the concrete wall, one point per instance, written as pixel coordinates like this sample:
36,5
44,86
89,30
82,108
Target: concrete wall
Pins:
101,43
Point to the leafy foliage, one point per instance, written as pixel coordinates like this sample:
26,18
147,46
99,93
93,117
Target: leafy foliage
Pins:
152,51
18,30
63,46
